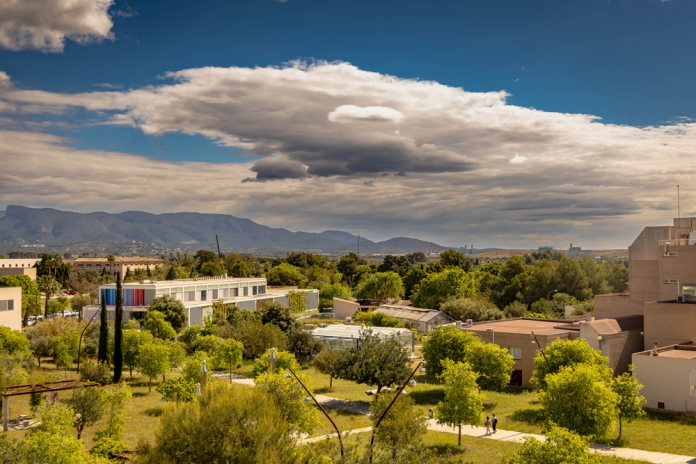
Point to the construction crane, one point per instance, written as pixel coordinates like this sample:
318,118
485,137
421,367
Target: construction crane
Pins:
218,245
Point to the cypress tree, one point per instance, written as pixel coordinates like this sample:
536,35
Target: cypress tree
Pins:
149,272
128,274
103,352
171,275
118,332
104,271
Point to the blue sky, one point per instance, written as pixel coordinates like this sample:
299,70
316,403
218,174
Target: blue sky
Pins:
628,62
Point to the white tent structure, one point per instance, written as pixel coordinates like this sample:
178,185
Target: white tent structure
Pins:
339,336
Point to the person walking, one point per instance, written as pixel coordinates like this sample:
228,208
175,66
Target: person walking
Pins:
495,423
488,425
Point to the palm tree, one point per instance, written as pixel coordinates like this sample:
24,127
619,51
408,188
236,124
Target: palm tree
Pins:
111,261
49,285
56,262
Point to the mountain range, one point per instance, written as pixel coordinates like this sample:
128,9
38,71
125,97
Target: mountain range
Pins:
20,224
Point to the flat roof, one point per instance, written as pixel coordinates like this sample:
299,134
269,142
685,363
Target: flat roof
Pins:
672,351
195,281
521,326
347,331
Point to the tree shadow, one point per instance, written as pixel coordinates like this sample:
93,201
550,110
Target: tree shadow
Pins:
531,416
154,412
517,390
489,406
427,396
139,394
323,390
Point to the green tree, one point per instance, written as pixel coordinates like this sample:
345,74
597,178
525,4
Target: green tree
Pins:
493,364
277,314
64,359
133,340
103,353
564,353
284,359
212,268
88,404
515,309
462,309
13,341
118,332
616,275
260,438
302,344
284,275
572,280
326,363
446,343
229,353
171,273
391,263
116,400
463,404
348,264
157,325
174,311
580,399
381,286
330,291
300,416
560,447
49,286
403,425
153,360
439,287
193,366
454,258
412,280
631,403
40,347
376,362
257,338
179,390
239,269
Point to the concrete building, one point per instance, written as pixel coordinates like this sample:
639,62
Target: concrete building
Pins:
344,308
550,248
668,375
120,265
18,267
617,339
11,307
198,296
578,252
423,320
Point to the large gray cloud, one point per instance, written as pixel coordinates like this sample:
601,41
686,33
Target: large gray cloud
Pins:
580,179
45,24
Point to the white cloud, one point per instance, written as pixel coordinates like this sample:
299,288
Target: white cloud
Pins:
352,113
601,182
45,24
517,159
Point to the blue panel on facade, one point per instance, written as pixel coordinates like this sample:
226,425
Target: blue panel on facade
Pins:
110,294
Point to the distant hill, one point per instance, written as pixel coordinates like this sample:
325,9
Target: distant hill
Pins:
21,224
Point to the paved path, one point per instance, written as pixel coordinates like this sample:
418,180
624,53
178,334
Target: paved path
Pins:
479,432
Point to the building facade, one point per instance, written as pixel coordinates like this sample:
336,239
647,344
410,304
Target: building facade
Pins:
18,267
11,307
120,265
668,375
198,296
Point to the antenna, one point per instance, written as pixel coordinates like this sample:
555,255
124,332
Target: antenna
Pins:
218,244
678,206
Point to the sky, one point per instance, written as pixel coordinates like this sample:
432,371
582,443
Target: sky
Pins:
495,124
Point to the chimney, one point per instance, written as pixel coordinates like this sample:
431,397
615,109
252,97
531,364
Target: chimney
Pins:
588,315
469,322
458,324
654,350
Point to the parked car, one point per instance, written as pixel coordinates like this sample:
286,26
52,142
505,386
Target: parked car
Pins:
39,318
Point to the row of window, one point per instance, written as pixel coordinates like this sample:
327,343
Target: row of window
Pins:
17,265
516,353
6,305
206,295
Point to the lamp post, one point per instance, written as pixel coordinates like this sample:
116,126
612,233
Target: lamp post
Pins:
548,297
493,333
204,376
272,362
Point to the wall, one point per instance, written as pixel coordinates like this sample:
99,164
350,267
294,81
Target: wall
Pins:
681,267
27,271
666,380
312,301
344,308
669,324
12,318
616,305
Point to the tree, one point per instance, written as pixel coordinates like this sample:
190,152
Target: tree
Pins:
617,276
284,359
116,401
446,343
436,288
88,404
381,286
580,399
257,338
153,360
179,390
417,257
515,309
78,302
398,264
462,309
560,447
277,314
631,403
300,416
13,341
30,291
348,264
229,353
564,353
211,268
284,275
454,258
302,344
41,347
493,364
463,403
193,366
171,273
118,332
158,326
206,256
330,291
174,311
412,280
96,372
572,280
259,438
49,286
326,363
375,362
239,269
103,353
133,340
403,425
64,359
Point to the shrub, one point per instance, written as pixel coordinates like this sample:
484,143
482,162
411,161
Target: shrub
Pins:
462,309
180,390
516,309
96,372
106,447
284,359
193,365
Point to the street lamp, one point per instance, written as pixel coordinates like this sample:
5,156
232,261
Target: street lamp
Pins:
549,295
492,332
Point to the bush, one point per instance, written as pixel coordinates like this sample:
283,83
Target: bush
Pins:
284,359
190,335
515,309
106,447
193,365
302,343
180,390
462,309
374,319
258,337
96,372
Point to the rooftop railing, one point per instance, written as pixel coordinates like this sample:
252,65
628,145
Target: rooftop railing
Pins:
678,242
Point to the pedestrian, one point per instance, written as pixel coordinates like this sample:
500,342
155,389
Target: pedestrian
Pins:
488,425
495,423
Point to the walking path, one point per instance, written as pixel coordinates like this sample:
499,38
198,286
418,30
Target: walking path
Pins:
479,432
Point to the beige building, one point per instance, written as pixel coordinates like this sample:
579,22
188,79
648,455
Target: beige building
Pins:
344,308
120,265
617,339
669,378
18,267
11,307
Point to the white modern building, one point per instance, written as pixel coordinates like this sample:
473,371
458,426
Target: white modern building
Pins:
198,296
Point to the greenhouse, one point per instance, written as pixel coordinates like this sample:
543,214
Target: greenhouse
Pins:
340,337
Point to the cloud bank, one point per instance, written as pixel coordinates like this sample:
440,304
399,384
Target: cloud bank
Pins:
328,133
45,24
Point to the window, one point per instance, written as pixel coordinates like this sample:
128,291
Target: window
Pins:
660,405
215,294
262,289
6,305
516,353
204,295
254,290
246,291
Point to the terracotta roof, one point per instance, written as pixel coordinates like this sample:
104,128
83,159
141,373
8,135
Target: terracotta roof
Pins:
520,326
